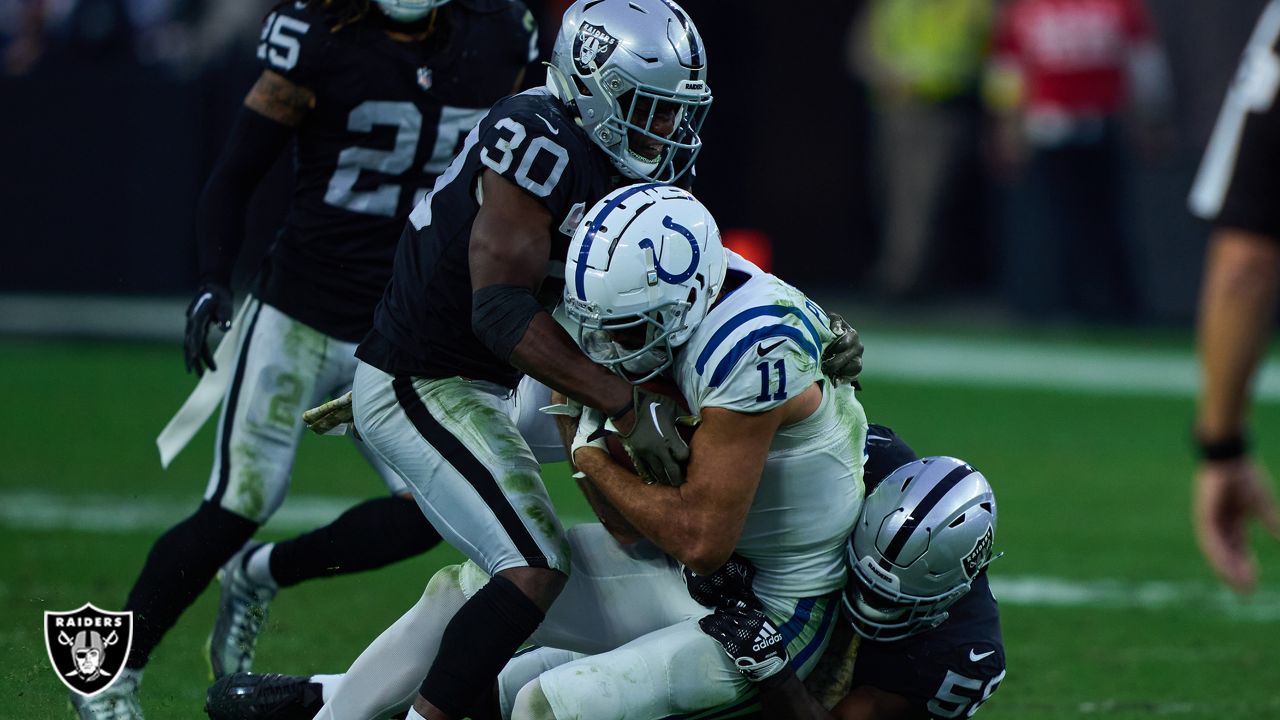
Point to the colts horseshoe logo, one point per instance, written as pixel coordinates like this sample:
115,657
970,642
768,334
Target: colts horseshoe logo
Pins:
669,223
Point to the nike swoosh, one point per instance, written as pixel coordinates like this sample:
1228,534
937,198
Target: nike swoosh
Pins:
554,131
975,657
762,350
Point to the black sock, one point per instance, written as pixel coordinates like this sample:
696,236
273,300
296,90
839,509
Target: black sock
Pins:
179,567
478,642
368,536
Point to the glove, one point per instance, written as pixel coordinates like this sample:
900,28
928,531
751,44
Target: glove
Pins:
212,305
842,358
593,426
754,645
739,623
331,418
728,586
655,446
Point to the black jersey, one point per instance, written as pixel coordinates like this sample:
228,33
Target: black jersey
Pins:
422,326
387,120
947,671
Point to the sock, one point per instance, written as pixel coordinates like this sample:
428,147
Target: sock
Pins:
258,566
178,568
413,715
370,535
480,639
386,676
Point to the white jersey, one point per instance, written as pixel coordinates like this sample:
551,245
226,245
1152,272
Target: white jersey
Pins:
758,346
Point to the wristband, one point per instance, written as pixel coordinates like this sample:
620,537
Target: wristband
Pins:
1229,448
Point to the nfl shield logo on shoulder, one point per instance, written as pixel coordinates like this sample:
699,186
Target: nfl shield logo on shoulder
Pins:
88,646
424,78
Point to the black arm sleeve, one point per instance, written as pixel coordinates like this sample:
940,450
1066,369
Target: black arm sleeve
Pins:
254,144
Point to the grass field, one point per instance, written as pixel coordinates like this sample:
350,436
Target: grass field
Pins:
1108,610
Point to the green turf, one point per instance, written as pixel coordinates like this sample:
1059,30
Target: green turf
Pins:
1090,487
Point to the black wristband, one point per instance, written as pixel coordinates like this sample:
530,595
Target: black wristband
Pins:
1229,448
776,679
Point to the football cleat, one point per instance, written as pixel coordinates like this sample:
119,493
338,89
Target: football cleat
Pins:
242,613
118,702
246,696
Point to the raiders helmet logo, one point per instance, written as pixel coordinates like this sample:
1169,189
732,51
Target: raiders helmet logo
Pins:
592,48
979,555
88,646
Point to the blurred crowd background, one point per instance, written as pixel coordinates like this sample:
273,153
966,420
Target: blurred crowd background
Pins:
1030,156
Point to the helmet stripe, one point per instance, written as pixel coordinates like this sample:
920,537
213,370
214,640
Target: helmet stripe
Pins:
695,52
922,510
580,273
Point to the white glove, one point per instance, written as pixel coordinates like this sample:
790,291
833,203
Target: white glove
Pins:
569,408
331,418
590,423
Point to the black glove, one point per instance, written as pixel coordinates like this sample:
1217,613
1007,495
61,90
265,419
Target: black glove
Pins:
212,305
728,586
739,623
842,358
754,645
654,442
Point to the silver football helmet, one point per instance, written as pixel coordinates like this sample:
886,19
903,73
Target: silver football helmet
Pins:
646,263
408,10
636,70
923,536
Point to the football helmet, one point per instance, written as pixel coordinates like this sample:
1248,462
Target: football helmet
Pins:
923,536
645,265
632,66
408,10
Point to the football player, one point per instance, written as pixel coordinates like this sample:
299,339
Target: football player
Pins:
377,97
466,312
928,641
652,291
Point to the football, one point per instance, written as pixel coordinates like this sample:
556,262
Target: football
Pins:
661,386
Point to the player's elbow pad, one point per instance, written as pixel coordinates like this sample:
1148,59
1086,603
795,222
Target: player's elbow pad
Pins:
500,315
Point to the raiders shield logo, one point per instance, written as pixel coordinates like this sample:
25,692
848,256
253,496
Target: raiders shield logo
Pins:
979,555
88,646
592,48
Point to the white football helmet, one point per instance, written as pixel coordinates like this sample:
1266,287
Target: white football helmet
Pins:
622,63
646,262
923,536
408,10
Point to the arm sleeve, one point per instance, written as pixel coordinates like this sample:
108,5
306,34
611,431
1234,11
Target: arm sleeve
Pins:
254,144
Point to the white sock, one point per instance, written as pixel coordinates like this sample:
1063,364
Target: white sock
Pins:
259,566
328,685
413,715
386,676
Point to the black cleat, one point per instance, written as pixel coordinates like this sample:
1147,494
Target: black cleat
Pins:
250,696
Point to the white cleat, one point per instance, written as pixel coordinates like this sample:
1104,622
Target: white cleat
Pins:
118,702
242,613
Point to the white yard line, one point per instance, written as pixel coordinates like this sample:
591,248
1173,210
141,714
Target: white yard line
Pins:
115,514
1001,362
